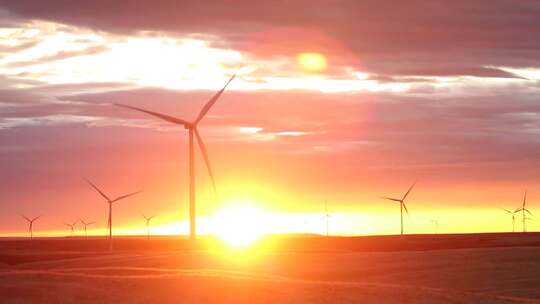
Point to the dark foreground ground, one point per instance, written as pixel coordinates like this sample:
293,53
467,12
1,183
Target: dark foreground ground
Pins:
475,268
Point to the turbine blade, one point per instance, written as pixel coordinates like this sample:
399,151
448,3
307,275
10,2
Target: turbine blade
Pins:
37,217
527,210
524,199
391,199
24,217
99,191
518,210
408,191
168,118
124,196
507,210
212,101
405,207
206,159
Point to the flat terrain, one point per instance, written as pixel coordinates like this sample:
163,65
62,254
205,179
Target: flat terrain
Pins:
484,268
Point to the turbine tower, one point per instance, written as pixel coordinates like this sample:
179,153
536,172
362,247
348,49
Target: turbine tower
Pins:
148,219
524,210
191,126
30,224
401,202
110,202
85,224
513,214
71,227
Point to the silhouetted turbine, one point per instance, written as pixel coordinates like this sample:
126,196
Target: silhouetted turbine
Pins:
148,219
71,226
191,126
110,202
513,214
30,224
85,224
401,204
524,210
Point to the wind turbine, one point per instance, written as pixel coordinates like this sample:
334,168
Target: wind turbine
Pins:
148,219
401,204
306,228
327,217
513,214
524,210
85,224
110,202
30,224
191,126
436,223
71,226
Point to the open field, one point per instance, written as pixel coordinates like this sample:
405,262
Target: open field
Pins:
503,268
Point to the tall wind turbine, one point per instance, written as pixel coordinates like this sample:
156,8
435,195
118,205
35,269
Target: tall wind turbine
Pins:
110,202
30,224
401,202
191,126
524,210
71,226
85,224
513,214
148,219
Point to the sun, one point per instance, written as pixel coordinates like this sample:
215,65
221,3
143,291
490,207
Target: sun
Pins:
239,225
312,62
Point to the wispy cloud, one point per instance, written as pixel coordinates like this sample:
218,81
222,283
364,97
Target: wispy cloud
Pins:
60,55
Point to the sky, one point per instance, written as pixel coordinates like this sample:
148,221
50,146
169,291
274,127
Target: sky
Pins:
337,101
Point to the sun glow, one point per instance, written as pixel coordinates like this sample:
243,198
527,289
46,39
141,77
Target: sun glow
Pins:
239,225
312,62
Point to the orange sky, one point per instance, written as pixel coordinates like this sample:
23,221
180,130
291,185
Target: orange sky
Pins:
329,104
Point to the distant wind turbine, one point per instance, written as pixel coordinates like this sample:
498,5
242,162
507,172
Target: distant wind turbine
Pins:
191,126
306,229
85,224
30,224
110,202
513,214
148,219
327,217
436,223
71,226
524,210
401,204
